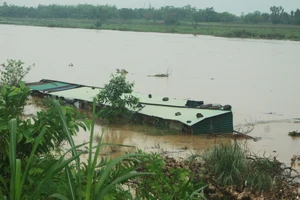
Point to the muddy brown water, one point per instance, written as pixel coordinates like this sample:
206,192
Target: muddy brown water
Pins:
259,78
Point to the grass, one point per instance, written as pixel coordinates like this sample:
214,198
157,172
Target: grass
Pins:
232,165
227,163
231,30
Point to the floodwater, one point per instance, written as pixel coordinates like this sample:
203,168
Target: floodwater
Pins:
259,78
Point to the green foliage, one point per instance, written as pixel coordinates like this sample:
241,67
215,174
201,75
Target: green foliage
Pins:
13,72
227,163
262,173
97,15
167,182
30,171
12,102
22,184
65,177
171,15
117,99
231,165
276,14
98,24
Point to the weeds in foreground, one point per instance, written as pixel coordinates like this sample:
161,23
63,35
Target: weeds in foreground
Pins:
170,180
227,163
65,177
98,180
233,165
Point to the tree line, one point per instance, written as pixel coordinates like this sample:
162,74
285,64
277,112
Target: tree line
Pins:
169,14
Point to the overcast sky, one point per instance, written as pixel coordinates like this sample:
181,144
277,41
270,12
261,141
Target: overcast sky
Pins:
233,6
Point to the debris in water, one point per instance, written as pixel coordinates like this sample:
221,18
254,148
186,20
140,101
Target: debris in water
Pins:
167,74
294,133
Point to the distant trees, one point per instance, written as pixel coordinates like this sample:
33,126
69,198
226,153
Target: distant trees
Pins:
172,15
169,15
127,13
276,14
255,18
296,17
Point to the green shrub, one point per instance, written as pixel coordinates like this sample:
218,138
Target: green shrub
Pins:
13,72
64,177
116,98
227,163
168,182
12,102
234,166
262,173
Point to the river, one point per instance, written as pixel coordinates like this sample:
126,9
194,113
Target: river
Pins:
259,78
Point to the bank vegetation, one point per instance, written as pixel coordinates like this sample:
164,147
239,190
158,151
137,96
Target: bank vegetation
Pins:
277,24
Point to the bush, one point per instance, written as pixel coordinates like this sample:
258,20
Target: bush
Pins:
234,166
171,180
13,72
64,177
116,98
48,121
227,163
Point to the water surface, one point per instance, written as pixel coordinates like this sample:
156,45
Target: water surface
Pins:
259,78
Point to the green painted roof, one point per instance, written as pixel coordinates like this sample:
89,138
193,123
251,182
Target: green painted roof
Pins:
158,100
164,111
187,114
82,93
47,86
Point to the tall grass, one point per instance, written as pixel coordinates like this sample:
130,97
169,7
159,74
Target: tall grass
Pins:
227,163
233,165
263,172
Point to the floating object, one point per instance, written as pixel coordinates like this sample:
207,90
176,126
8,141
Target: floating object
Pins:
294,133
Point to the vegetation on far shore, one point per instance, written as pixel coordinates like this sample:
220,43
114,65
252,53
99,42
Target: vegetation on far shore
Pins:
278,24
230,30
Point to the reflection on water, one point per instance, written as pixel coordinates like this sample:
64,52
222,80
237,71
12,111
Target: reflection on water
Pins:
259,78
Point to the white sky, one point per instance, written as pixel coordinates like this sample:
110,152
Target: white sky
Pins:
232,6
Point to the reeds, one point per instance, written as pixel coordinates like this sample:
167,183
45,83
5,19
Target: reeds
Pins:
227,163
233,165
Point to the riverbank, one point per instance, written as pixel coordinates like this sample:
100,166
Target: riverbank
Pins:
230,30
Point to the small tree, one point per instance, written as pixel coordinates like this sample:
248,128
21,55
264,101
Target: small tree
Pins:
116,98
13,72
